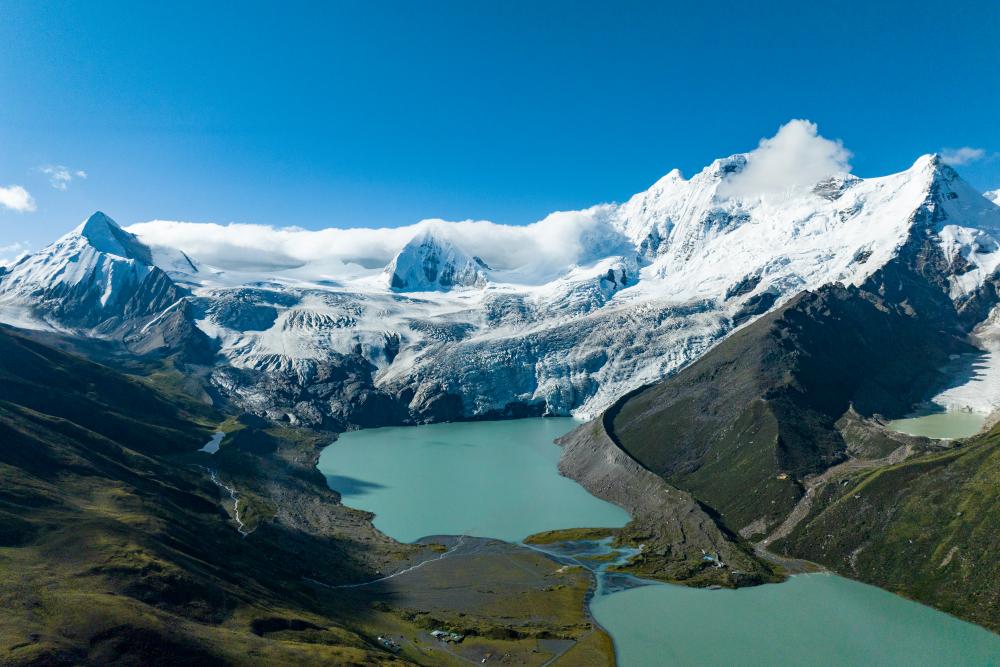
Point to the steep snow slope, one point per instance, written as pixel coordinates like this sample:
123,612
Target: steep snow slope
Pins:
660,279
429,261
993,196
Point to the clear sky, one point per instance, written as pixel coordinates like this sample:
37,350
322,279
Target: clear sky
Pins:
381,114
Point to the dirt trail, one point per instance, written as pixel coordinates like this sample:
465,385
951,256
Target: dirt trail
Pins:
815,483
446,554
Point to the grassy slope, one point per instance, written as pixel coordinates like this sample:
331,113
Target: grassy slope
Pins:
766,401
927,528
788,394
117,548
111,553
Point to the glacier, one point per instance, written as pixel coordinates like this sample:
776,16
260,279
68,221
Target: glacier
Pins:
444,321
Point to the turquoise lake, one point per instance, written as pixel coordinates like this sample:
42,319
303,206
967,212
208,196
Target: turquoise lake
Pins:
946,424
820,620
499,479
487,479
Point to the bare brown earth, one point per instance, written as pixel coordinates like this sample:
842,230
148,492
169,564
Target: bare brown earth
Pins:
674,531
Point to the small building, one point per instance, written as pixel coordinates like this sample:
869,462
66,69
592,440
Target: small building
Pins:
389,644
445,636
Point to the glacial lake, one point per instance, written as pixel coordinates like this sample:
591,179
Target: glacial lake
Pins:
818,620
943,425
960,410
499,479
485,479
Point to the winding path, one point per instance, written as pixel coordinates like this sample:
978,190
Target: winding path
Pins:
458,544
801,509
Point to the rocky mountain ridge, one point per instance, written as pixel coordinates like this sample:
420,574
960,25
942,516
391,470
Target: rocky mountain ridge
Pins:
437,334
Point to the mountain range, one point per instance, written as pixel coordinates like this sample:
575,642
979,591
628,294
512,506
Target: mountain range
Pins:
439,333
739,356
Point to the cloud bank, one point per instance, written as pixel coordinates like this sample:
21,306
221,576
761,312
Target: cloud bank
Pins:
538,252
16,198
9,254
796,157
964,155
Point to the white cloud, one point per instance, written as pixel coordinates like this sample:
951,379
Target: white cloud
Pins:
794,158
538,252
963,155
16,198
9,254
60,176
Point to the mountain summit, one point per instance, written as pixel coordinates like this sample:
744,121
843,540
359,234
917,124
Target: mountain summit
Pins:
430,261
589,304
104,235
97,279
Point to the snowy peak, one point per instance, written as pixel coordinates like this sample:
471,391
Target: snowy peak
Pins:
96,274
104,235
993,196
954,201
430,262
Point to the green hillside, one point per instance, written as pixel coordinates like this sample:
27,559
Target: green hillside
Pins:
116,546
927,528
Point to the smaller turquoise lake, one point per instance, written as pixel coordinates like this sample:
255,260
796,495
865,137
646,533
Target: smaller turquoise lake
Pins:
945,424
486,479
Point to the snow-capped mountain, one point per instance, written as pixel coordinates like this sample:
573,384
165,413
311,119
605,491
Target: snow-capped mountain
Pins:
429,261
96,273
993,196
99,280
647,287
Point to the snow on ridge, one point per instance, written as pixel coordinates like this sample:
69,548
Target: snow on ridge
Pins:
430,261
104,235
693,239
570,311
98,251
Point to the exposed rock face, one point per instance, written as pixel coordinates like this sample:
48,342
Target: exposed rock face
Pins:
657,281
335,393
432,262
172,332
674,529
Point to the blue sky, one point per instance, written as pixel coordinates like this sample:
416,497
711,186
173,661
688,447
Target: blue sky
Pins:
381,114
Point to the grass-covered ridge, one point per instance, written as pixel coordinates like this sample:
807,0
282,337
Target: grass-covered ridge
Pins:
116,547
927,528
